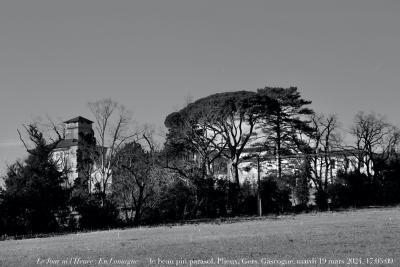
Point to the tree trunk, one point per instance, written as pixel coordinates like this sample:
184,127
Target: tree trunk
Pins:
259,203
279,165
233,172
278,148
138,207
327,167
236,174
236,193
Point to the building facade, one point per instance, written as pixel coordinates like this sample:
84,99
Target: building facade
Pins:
77,154
322,165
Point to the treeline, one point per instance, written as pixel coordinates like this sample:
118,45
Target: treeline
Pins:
126,178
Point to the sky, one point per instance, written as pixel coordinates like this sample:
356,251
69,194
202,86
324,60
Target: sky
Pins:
56,56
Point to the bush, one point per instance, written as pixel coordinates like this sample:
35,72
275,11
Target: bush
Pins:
247,203
95,213
174,202
275,196
200,198
353,189
339,195
321,199
34,199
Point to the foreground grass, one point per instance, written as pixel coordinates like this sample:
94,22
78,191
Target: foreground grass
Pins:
370,236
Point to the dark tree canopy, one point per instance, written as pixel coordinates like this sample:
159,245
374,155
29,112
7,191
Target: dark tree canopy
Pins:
225,122
282,125
34,195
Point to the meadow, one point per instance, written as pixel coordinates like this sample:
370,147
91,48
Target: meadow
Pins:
348,238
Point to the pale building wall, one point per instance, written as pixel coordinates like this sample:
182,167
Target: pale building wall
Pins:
66,160
294,165
72,130
98,177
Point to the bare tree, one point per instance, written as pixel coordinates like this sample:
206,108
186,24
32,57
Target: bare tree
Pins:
134,175
113,130
188,136
325,140
321,146
375,137
50,131
393,144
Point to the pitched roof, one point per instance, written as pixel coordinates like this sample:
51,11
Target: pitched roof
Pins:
65,143
78,119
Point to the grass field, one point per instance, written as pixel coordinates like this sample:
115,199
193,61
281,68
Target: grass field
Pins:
367,237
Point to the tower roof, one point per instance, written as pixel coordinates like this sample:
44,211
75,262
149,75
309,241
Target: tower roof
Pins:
79,119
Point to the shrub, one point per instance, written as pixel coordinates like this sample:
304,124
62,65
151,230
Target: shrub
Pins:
275,196
353,189
321,199
95,213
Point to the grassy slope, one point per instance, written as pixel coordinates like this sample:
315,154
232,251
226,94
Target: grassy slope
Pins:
362,233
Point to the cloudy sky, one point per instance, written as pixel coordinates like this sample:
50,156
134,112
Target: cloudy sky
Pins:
55,56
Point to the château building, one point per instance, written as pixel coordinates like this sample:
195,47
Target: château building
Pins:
79,143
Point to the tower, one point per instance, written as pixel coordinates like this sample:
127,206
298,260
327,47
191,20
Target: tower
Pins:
70,153
77,128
